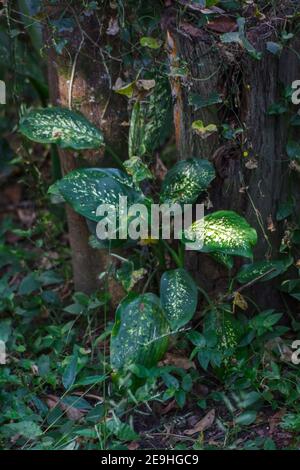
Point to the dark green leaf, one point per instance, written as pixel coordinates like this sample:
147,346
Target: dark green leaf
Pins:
70,372
179,297
269,269
246,418
140,333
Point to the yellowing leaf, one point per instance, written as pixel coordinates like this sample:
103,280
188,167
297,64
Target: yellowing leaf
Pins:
239,301
150,42
204,131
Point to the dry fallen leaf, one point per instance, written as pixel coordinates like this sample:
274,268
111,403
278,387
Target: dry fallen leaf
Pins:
133,446
251,164
222,24
203,424
191,30
178,361
271,226
113,27
276,419
73,414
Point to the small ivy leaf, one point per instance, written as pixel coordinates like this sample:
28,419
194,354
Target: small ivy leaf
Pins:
137,169
140,332
204,131
186,181
179,297
222,232
86,188
150,42
267,269
61,126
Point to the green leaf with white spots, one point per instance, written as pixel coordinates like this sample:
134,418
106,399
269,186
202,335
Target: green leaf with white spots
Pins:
186,181
225,260
86,188
61,126
151,120
137,169
222,232
263,270
140,332
179,297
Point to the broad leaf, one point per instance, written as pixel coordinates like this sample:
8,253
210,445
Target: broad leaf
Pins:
151,120
186,181
86,188
179,297
140,333
61,126
223,232
267,269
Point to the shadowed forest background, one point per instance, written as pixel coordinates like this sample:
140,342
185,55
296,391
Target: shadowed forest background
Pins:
141,344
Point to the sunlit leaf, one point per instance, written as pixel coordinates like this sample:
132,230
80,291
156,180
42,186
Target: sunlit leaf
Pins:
62,127
223,232
179,296
140,333
186,181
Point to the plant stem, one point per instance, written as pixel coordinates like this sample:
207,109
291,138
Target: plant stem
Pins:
173,253
115,157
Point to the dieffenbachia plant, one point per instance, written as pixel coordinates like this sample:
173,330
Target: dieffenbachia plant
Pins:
143,322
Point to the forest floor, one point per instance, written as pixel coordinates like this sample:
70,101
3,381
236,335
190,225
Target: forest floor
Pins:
55,389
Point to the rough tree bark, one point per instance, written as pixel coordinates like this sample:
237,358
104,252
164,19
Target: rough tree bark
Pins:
82,77
253,185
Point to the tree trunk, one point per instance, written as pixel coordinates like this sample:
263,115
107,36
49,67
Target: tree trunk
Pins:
252,171
82,77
